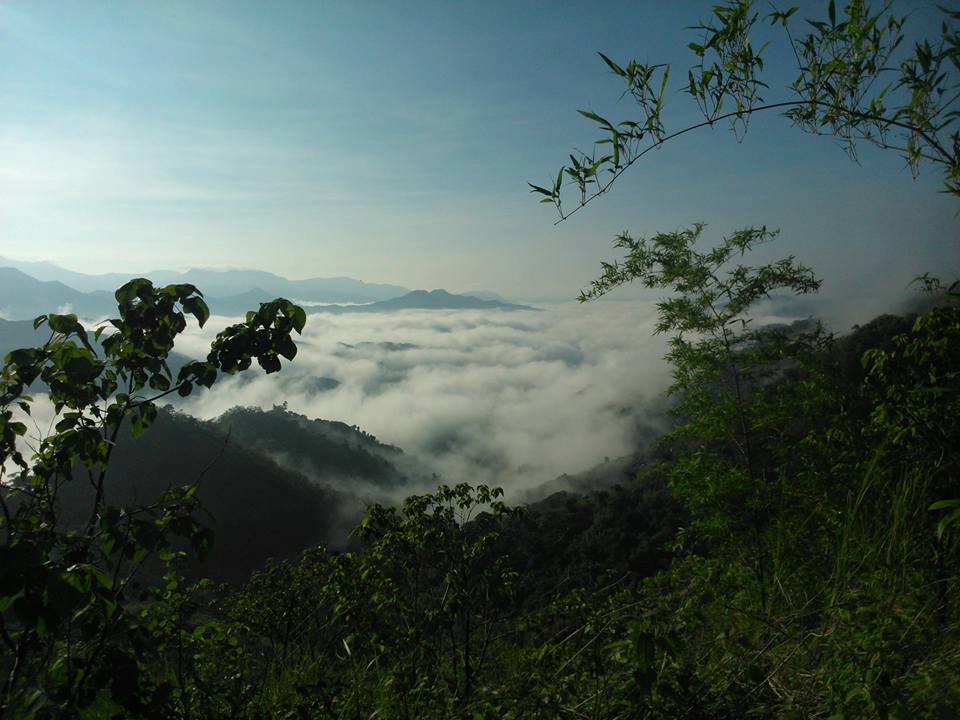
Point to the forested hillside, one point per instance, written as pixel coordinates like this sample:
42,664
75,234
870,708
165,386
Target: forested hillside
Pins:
254,508
326,451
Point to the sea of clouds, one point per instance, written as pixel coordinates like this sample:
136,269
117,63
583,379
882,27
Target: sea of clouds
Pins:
509,398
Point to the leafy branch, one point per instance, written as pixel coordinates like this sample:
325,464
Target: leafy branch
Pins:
841,89
62,602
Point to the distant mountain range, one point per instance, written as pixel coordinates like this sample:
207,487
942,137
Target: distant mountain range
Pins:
23,297
423,300
31,289
220,283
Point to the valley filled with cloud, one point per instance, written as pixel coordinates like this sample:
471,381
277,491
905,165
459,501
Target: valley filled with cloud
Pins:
506,398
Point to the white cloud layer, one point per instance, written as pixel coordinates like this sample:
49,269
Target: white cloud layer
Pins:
506,398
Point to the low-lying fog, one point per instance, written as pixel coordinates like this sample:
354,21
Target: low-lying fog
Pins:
507,398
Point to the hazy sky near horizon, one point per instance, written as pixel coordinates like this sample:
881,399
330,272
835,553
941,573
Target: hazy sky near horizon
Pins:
392,142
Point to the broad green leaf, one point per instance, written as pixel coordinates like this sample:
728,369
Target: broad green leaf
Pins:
128,292
198,308
299,317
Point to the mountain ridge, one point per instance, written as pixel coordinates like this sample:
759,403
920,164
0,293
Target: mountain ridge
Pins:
438,299
217,282
230,292
24,297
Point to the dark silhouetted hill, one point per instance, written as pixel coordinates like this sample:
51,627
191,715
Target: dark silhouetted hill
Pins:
256,508
326,451
425,300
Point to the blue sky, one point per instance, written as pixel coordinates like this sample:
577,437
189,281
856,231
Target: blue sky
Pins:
392,142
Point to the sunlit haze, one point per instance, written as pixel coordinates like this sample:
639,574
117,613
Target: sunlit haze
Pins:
393,143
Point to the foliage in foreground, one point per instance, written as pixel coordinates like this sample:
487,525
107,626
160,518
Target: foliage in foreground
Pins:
810,578
810,570
71,626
